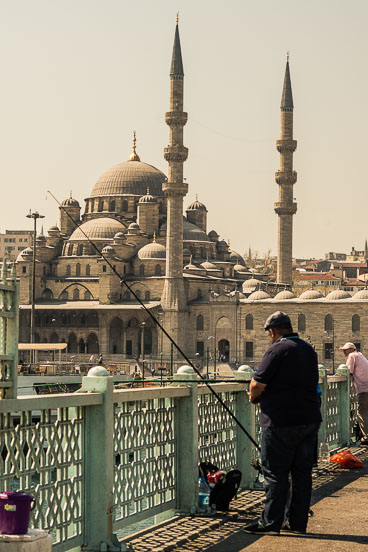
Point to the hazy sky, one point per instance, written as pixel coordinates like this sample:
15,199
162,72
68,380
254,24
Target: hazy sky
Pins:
78,76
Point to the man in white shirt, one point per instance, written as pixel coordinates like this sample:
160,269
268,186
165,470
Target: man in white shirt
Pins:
358,368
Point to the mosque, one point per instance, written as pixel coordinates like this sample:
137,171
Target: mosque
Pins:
190,279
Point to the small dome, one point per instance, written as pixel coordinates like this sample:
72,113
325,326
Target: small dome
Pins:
148,198
284,295
27,252
310,294
361,294
191,232
133,226
70,202
119,236
223,243
97,229
152,251
251,283
239,268
108,250
53,229
338,294
208,266
258,295
196,206
236,257
186,252
41,238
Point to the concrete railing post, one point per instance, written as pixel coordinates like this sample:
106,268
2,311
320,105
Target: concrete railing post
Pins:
99,464
246,415
344,405
186,431
322,434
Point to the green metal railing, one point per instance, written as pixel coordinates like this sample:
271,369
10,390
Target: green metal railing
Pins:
100,460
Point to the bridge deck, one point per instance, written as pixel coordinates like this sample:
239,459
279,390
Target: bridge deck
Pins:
339,524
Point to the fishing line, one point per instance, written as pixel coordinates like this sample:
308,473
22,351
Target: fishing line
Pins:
158,324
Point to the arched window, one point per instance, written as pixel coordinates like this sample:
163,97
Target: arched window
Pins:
200,322
88,270
68,270
81,345
76,294
126,296
70,249
83,319
202,252
54,338
64,296
147,296
199,293
80,250
77,269
355,323
302,323
112,205
138,293
92,320
92,344
72,343
157,270
141,270
87,296
100,206
125,205
328,323
249,322
47,294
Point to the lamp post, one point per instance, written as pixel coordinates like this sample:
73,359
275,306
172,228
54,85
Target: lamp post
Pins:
33,215
208,354
197,361
214,354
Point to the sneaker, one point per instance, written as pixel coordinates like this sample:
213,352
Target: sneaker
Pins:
286,527
256,529
364,443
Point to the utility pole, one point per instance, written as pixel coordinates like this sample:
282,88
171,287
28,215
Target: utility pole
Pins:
33,215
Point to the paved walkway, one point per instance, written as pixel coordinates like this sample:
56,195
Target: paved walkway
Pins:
340,523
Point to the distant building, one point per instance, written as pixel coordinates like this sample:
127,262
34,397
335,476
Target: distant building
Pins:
13,242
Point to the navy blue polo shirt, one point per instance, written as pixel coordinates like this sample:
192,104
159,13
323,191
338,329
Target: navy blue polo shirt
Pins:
289,368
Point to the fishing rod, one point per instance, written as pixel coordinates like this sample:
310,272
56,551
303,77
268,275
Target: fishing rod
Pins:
158,324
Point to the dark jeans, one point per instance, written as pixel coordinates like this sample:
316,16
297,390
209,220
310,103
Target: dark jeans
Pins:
288,450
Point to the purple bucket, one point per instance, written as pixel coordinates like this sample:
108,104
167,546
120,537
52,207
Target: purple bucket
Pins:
15,510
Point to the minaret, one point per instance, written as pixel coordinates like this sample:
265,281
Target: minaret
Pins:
286,177
173,296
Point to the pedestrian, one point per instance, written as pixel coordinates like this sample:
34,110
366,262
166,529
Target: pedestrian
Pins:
92,360
358,368
100,359
285,385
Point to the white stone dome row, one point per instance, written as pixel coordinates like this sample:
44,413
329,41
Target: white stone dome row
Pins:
309,295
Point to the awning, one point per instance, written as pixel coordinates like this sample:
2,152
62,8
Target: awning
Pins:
90,305
42,346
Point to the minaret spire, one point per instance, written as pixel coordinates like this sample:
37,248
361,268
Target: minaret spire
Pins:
286,177
173,296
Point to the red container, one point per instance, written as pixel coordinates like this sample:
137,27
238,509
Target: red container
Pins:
15,510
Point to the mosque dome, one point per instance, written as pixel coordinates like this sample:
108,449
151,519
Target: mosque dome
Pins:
208,266
239,268
337,295
258,295
284,295
97,229
148,198
108,250
27,252
70,202
120,236
250,284
191,232
361,294
310,294
133,226
54,229
41,239
196,206
236,257
152,250
131,177
213,235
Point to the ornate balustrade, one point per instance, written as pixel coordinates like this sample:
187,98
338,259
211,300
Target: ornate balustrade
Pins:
99,460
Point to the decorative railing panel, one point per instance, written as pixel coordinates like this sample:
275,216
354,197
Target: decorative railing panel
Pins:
145,462
41,452
332,420
353,407
217,431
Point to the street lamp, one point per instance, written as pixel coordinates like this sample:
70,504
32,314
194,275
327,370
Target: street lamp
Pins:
33,215
197,361
214,353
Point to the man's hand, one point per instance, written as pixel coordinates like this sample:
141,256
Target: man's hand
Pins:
255,391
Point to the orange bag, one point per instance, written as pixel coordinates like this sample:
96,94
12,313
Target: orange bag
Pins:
346,460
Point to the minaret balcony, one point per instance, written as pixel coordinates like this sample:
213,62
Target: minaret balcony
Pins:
283,177
176,118
286,146
285,208
176,154
175,188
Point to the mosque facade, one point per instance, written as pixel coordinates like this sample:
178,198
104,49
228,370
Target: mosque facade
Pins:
193,283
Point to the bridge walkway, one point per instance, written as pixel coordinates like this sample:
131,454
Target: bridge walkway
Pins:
339,501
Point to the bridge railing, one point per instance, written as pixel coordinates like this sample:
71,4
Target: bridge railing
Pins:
100,460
